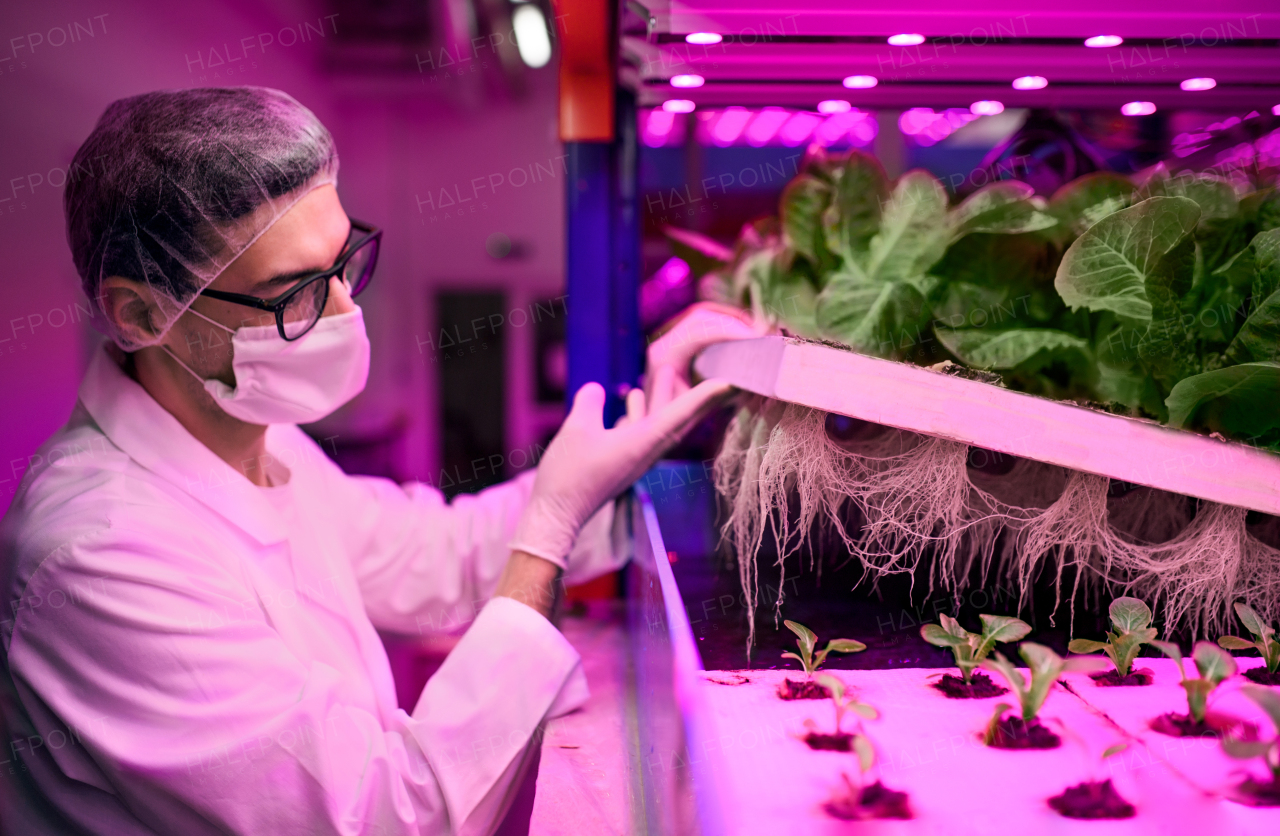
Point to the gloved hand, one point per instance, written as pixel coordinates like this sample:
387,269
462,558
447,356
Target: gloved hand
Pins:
585,465
699,326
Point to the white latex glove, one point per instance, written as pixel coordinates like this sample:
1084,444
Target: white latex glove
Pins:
699,326
586,465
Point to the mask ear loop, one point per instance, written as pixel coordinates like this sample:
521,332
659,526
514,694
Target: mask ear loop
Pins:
178,360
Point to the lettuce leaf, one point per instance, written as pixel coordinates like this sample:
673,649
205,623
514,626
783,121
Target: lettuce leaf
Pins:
1007,349
1238,400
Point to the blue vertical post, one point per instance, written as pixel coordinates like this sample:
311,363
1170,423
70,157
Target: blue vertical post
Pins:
603,261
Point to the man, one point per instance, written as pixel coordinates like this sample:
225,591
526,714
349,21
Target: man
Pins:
191,642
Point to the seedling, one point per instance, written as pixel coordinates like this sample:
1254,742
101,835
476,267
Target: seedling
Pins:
1045,667
1132,622
1214,665
807,641
971,648
844,703
1269,750
1264,638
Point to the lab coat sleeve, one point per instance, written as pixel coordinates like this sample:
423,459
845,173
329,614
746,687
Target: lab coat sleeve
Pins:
200,718
427,565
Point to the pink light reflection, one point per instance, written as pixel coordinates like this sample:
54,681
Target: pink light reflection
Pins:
730,125
765,126
1030,82
798,129
657,128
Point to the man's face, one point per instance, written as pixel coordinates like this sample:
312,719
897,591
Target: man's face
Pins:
307,239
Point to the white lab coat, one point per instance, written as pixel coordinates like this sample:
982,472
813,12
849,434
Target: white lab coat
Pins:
188,653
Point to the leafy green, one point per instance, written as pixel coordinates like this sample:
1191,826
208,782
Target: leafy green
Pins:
1044,666
1213,664
971,648
1131,619
1162,301
1108,268
845,703
807,641
1264,638
1269,750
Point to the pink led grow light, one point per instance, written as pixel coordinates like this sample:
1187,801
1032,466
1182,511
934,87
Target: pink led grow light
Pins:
1138,109
798,129
678,106
986,108
687,80
1103,41
703,38
906,39
1196,84
834,106
1030,82
860,82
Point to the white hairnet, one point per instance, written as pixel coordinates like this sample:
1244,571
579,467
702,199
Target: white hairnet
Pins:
172,186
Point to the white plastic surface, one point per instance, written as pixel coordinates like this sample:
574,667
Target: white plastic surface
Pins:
924,401
930,747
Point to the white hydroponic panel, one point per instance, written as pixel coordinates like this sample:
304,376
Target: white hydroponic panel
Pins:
930,747
985,415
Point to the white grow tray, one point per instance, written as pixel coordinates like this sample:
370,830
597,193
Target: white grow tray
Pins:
984,415
723,760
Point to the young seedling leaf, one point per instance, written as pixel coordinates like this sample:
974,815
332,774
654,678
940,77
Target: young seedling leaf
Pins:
1245,749
1235,643
865,751
1088,646
939,637
1114,749
1251,621
1267,699
1214,663
845,646
1000,629
953,627
1129,615
806,640
864,711
989,736
835,686
1173,652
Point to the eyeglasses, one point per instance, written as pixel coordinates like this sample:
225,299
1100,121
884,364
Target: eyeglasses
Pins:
299,309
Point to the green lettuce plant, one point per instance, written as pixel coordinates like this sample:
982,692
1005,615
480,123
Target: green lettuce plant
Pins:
845,703
807,641
1044,667
1212,663
1264,638
968,648
1269,750
1131,623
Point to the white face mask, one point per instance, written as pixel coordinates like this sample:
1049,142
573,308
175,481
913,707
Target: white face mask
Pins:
282,382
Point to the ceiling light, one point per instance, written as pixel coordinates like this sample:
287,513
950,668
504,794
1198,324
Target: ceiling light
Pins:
1138,109
678,106
703,38
905,40
834,106
1194,84
688,80
986,108
765,126
530,30
1030,82
860,82
730,125
1099,41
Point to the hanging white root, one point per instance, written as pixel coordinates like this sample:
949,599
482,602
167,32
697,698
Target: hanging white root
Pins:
781,472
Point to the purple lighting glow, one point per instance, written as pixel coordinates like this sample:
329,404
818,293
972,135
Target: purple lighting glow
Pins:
729,126
1030,82
798,129
765,126
678,106
703,38
906,39
927,127
834,106
1138,109
860,82
986,108
687,80
1102,41
1196,84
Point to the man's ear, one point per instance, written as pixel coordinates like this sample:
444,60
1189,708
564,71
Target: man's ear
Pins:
130,306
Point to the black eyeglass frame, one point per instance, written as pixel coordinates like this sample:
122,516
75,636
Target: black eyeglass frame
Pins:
278,305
